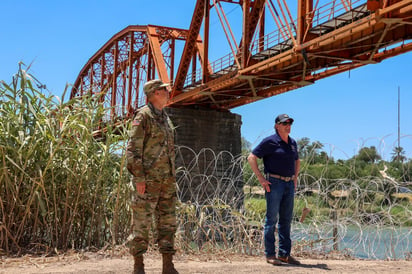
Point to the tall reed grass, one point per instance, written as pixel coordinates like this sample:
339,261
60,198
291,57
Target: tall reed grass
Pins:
59,186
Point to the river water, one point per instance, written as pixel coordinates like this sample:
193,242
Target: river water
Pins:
366,242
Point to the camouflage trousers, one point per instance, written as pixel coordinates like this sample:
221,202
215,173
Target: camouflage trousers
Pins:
158,201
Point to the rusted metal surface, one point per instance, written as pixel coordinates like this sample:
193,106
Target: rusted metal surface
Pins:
325,38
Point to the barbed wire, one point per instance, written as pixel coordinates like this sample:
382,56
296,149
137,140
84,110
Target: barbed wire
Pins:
222,209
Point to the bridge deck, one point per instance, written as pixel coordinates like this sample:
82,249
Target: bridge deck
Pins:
348,40
272,50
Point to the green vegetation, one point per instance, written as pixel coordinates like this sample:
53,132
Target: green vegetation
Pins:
256,207
59,186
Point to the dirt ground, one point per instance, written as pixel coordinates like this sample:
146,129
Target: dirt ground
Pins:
89,263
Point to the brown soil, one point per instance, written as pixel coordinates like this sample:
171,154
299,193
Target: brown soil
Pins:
199,264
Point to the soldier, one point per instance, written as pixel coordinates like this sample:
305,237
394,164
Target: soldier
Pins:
151,161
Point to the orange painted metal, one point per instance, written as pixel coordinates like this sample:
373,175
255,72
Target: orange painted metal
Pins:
273,55
189,49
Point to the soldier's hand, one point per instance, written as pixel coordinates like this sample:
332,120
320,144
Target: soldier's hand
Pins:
141,187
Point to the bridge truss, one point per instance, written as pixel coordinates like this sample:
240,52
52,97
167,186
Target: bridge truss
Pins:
273,54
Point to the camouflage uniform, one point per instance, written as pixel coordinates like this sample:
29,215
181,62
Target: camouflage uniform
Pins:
150,158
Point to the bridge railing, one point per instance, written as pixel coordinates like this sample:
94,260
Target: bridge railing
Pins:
269,41
333,9
277,41
218,67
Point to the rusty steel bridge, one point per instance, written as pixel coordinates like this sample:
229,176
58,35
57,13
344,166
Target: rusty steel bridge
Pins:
324,38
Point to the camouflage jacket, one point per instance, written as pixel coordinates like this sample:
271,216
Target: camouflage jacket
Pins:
150,150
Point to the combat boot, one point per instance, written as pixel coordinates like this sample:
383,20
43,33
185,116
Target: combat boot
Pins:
168,267
138,265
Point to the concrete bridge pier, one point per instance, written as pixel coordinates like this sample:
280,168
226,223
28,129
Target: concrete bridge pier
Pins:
209,167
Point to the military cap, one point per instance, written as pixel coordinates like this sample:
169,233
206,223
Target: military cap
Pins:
153,85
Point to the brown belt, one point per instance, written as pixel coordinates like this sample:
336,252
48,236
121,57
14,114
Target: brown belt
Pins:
286,179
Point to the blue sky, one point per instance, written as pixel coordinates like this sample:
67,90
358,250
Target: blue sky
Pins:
345,112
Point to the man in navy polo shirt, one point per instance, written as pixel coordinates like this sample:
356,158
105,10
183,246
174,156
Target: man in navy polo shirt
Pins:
281,168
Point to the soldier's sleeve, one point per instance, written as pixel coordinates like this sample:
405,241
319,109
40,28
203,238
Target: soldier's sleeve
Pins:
135,148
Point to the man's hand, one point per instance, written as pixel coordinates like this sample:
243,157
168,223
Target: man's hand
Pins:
252,159
265,183
141,187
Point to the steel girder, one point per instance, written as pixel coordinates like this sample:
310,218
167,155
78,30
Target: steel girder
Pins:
116,73
325,39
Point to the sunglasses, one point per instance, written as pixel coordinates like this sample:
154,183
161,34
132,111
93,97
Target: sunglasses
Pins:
286,123
163,89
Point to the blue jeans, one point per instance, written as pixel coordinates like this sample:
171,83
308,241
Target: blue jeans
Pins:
279,210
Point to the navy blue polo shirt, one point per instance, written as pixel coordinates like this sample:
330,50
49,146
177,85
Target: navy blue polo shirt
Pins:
278,157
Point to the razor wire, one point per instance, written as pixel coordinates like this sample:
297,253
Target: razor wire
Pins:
349,217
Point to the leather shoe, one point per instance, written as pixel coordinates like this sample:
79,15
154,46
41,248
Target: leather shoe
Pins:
289,260
273,260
